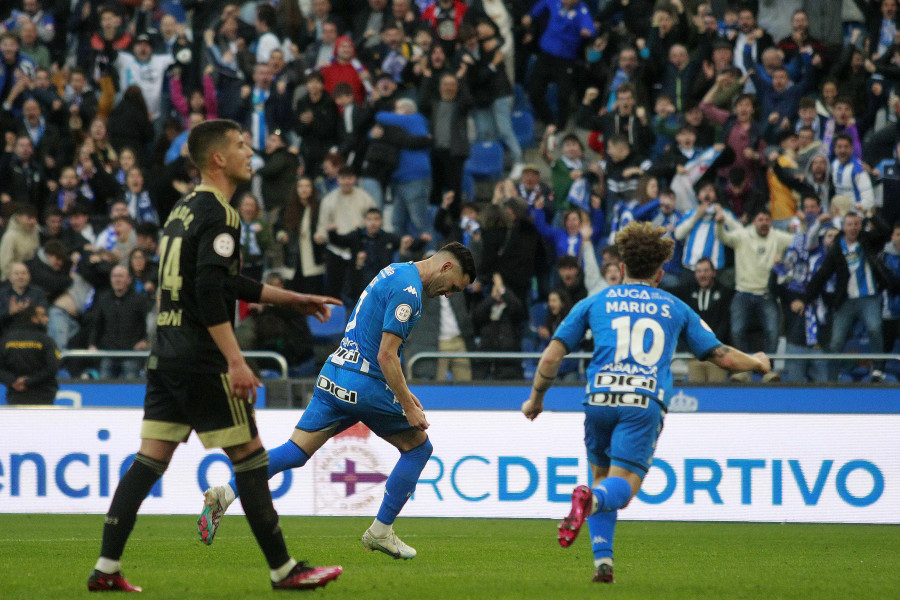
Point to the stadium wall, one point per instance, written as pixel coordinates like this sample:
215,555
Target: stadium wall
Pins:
710,466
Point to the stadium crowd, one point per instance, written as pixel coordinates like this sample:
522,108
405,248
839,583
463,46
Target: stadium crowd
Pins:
762,135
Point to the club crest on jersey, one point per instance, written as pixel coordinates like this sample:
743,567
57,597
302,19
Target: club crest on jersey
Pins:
403,313
223,245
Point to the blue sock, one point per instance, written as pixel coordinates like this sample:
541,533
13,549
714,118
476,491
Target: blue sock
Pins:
612,493
286,456
402,482
602,526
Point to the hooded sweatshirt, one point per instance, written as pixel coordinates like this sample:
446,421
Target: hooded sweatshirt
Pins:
350,72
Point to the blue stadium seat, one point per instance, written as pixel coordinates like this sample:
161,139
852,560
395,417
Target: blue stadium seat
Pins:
538,315
521,101
523,127
468,188
330,330
485,160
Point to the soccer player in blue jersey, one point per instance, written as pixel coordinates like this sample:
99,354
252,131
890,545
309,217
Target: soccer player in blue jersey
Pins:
363,381
636,328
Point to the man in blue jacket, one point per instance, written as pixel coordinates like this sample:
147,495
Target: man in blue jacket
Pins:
569,24
411,182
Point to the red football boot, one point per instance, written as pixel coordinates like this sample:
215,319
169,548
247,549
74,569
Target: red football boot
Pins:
305,577
110,582
582,502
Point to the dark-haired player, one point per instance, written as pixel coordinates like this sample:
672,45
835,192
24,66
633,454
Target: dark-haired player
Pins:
363,381
197,378
636,328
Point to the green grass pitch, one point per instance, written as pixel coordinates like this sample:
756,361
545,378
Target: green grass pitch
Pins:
50,557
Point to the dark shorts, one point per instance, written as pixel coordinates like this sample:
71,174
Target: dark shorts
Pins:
178,402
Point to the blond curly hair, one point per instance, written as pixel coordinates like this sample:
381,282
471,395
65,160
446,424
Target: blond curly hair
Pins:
643,248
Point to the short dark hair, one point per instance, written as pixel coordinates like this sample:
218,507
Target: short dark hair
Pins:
464,257
377,211
844,100
807,102
126,218
265,13
342,88
29,312
148,230
571,137
205,136
335,159
25,209
53,211
843,136
346,171
705,259
896,226
567,262
317,76
625,87
617,138
56,248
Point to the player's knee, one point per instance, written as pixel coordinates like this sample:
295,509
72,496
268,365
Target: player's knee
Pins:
157,466
422,452
618,490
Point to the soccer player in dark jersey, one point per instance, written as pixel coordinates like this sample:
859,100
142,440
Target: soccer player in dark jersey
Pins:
363,381
635,328
197,378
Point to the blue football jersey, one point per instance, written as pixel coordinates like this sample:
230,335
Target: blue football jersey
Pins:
391,302
635,328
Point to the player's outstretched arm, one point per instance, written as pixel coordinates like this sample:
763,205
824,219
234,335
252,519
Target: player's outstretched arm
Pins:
544,376
732,359
305,304
389,361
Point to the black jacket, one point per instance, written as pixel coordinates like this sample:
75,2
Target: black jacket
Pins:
321,133
120,321
430,97
54,283
714,307
835,262
26,350
380,250
278,176
24,183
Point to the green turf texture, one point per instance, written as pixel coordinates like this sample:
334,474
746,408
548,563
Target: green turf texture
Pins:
51,556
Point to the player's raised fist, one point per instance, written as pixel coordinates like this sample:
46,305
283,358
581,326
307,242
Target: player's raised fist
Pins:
531,408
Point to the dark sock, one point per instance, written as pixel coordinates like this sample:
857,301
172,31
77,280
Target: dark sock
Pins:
134,486
252,479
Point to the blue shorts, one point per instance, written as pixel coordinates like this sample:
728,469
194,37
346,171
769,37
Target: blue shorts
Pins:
624,436
344,398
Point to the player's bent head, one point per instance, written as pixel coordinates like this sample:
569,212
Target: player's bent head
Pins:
644,249
209,137
463,257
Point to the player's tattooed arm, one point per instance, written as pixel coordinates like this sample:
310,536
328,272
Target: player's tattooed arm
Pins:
736,361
